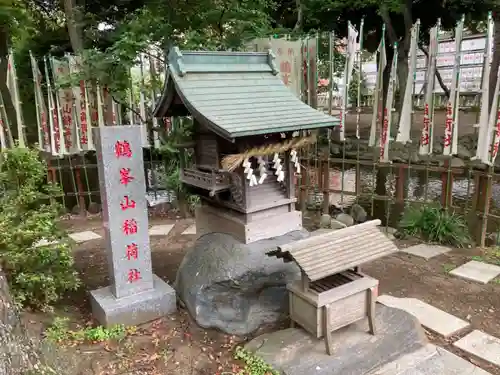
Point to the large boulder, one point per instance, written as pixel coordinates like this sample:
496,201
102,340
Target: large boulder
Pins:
234,287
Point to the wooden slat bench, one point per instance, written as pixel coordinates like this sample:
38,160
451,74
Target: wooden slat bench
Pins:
332,293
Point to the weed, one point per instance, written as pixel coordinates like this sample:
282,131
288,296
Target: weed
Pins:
59,332
434,224
491,255
448,267
253,365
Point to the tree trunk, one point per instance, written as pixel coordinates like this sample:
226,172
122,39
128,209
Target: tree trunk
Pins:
74,23
496,60
300,16
17,353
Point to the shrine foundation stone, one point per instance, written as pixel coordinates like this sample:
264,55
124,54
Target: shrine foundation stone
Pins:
135,295
236,287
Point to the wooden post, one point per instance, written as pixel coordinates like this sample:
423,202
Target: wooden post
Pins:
446,186
483,191
81,191
400,184
357,185
326,187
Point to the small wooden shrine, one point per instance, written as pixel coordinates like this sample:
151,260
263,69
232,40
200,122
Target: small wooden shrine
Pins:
248,128
333,292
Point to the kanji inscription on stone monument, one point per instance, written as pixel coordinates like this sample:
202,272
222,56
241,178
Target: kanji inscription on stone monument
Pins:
123,194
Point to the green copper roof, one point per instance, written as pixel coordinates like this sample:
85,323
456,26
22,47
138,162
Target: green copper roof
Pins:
236,94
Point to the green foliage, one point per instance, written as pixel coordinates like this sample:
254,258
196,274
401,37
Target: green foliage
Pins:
253,364
38,276
182,129
60,332
434,224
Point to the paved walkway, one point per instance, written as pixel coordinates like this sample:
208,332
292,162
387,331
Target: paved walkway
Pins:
476,343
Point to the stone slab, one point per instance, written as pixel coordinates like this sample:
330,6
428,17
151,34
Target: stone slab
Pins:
477,271
429,360
85,236
426,251
429,316
160,230
44,242
190,230
356,352
482,345
134,309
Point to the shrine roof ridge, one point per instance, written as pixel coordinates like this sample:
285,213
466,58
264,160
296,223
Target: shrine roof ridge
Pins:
186,62
235,94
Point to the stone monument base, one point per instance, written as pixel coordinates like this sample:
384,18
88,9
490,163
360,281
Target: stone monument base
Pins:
135,309
235,287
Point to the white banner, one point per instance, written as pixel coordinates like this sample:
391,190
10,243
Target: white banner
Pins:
494,123
484,136
142,108
54,118
65,103
14,92
45,135
3,132
82,107
386,126
405,120
450,142
352,35
288,59
426,140
377,102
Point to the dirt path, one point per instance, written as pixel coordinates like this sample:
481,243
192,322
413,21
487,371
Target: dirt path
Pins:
176,345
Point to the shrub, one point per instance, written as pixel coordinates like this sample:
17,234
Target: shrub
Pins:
38,275
434,224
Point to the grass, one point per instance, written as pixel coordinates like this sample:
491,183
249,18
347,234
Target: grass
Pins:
435,225
491,255
60,332
447,268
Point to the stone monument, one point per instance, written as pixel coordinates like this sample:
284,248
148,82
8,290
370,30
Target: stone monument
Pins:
135,295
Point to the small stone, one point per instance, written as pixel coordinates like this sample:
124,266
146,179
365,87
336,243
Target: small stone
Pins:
77,210
94,208
335,224
324,221
358,213
345,219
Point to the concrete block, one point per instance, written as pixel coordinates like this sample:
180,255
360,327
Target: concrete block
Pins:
426,251
160,230
429,316
477,271
85,236
482,345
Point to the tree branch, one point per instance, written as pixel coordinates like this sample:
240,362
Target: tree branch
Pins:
438,75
